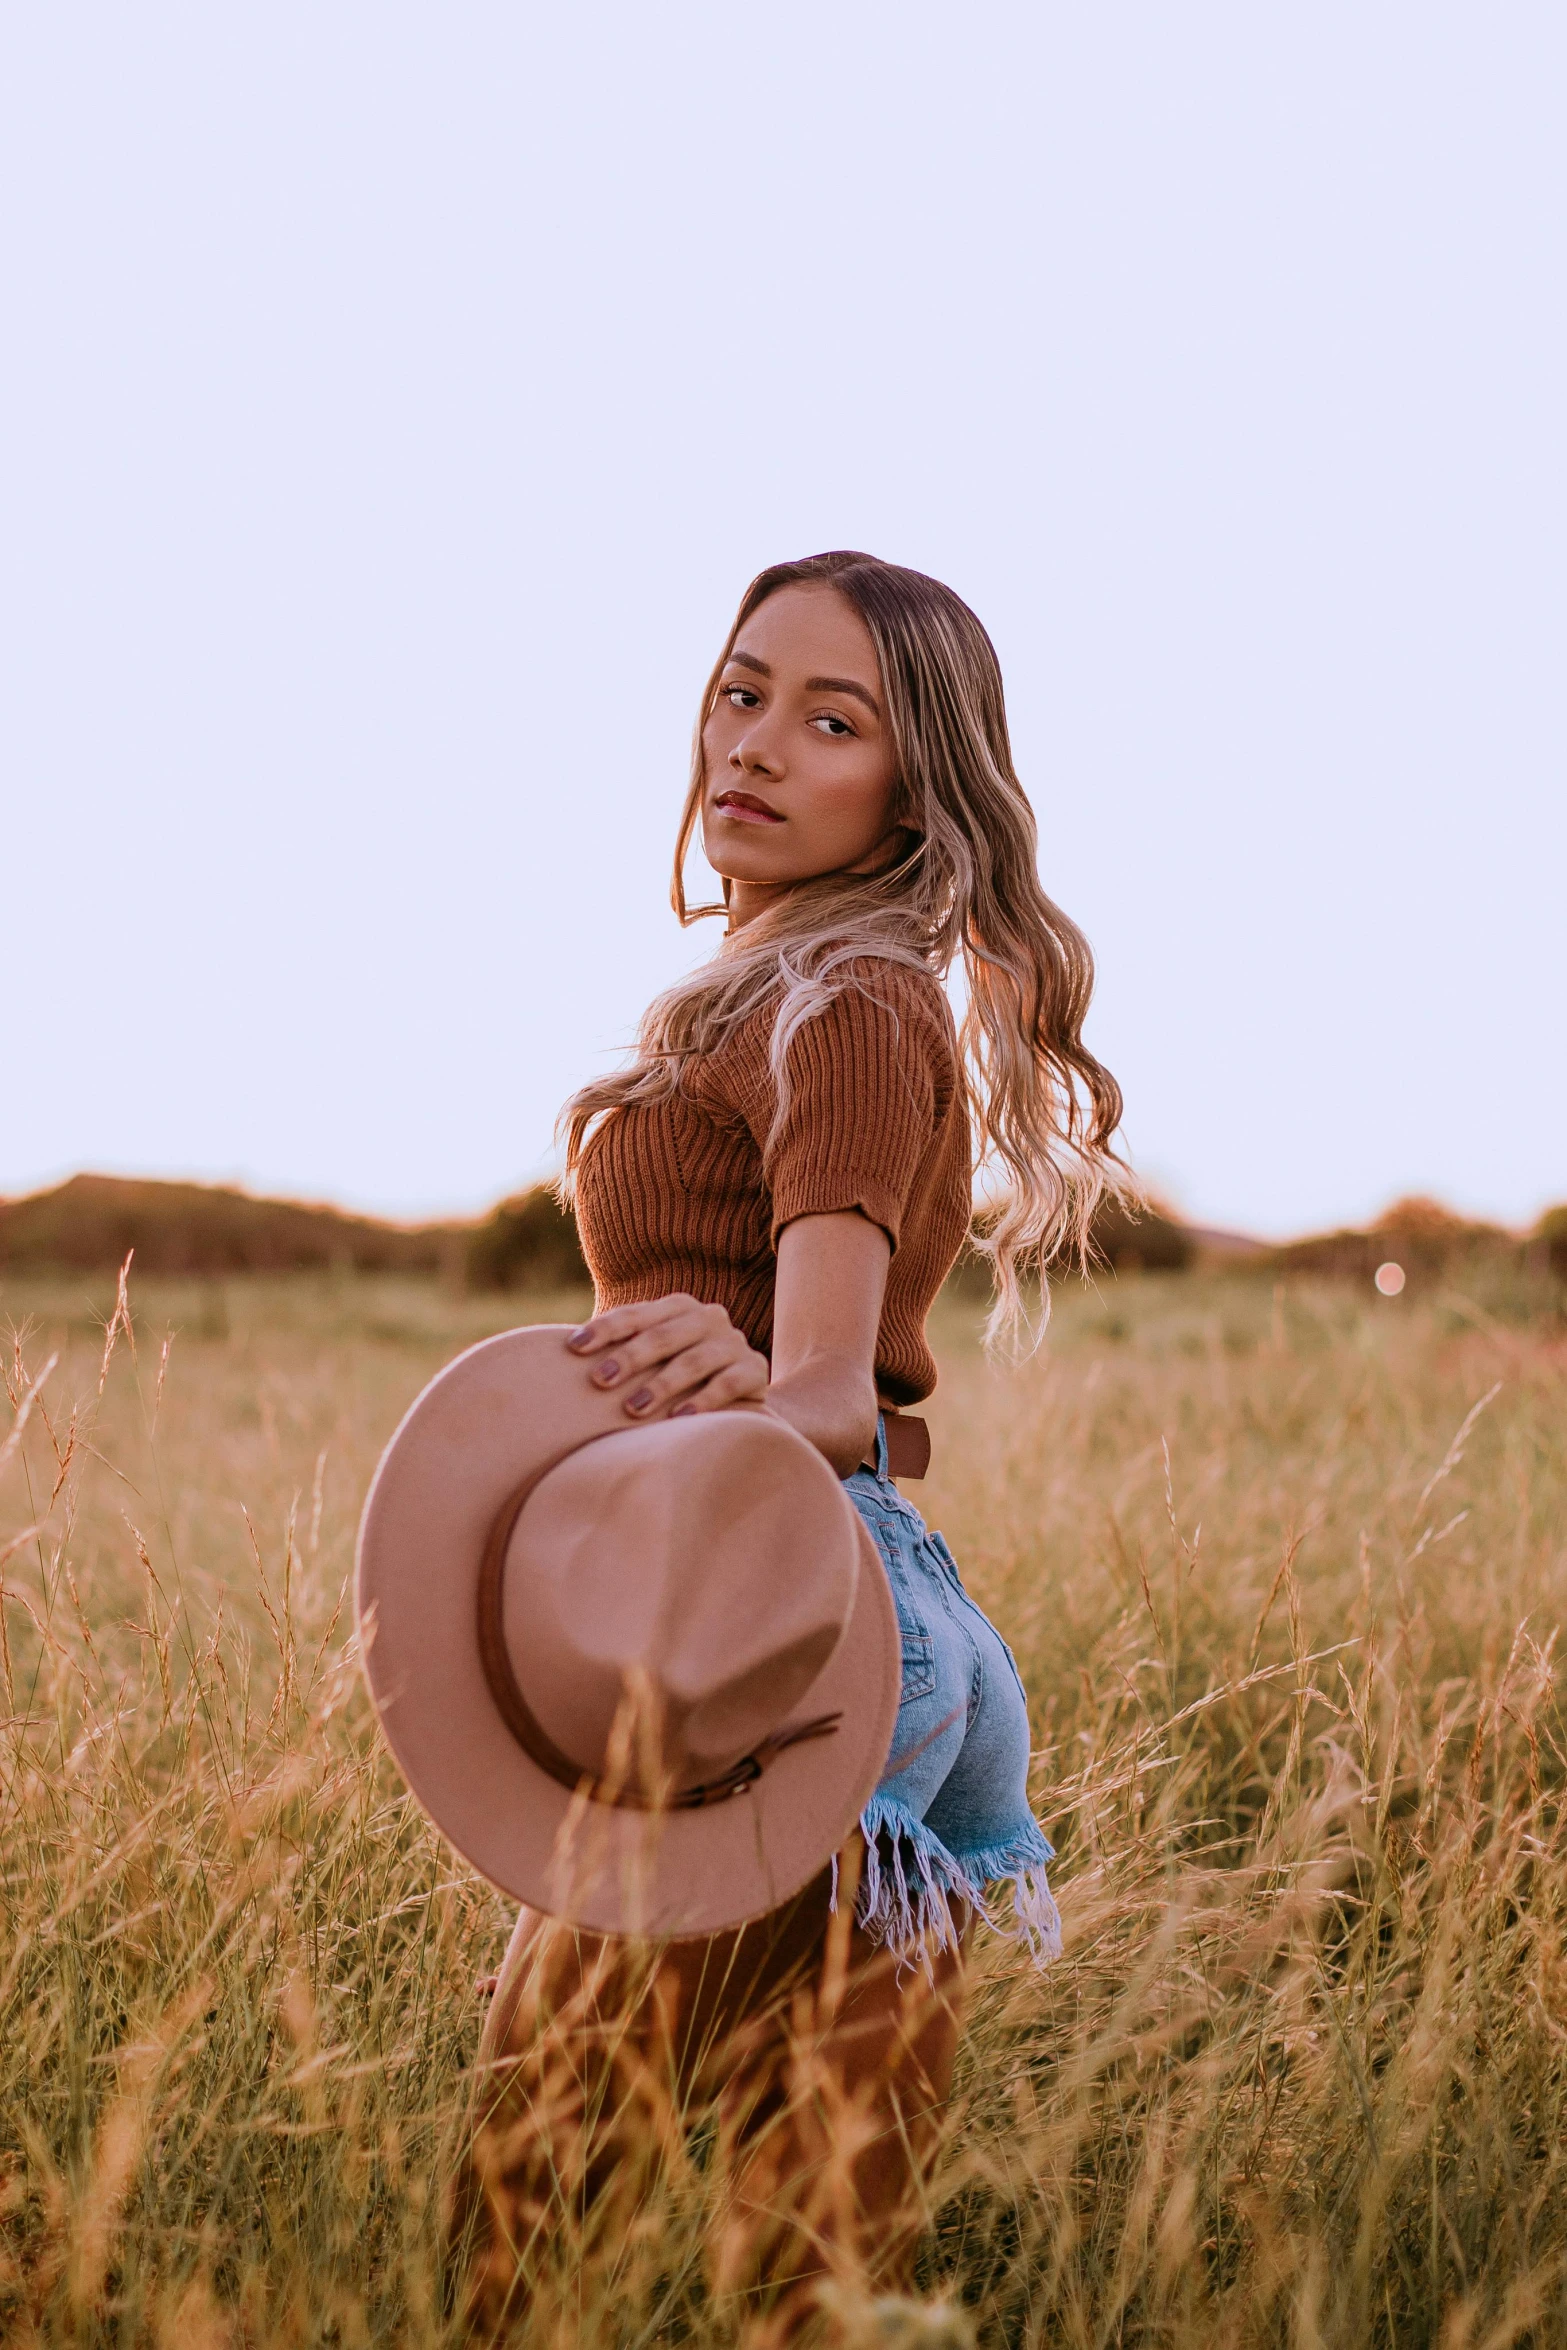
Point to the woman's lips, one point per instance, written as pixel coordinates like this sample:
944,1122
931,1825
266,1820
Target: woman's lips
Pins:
745,808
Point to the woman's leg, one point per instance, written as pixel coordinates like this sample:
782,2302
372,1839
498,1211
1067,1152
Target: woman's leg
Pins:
829,2073
589,2058
831,2120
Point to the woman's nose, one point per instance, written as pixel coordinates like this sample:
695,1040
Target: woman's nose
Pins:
756,754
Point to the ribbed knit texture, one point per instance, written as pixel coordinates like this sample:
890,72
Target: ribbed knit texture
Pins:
690,1194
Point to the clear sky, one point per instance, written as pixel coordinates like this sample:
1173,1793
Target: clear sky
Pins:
396,400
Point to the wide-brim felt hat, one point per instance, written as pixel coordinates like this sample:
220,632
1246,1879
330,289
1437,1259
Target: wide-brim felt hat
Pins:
642,1677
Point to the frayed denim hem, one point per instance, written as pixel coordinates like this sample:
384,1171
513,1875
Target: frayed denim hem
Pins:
911,1881
1036,1921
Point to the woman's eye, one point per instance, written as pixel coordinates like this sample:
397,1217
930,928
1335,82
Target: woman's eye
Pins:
833,725
740,697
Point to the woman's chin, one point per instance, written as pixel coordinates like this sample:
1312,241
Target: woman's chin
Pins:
777,871
758,872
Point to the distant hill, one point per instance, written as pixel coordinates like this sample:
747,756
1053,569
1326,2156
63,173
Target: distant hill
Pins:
1146,1240
1121,1240
91,1224
1215,1246
1420,1235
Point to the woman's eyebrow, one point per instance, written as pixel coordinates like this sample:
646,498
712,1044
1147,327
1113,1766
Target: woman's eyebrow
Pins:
843,685
813,685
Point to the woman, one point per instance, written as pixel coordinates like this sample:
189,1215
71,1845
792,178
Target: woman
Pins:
769,1198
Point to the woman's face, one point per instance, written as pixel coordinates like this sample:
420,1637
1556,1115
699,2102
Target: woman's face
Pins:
799,770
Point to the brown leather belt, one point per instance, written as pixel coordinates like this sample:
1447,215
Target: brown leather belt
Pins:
908,1445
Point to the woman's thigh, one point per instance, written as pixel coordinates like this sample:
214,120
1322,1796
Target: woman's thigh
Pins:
983,1800
828,2065
675,1997
940,1686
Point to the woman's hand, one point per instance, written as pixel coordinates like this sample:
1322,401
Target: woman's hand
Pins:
671,1347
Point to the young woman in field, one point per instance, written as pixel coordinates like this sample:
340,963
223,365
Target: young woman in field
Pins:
769,1199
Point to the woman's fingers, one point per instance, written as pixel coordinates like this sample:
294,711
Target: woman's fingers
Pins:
659,1344
726,1388
699,1368
653,1334
668,1350
622,1324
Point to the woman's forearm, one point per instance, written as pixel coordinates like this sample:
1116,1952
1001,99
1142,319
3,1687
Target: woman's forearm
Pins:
831,1400
832,1275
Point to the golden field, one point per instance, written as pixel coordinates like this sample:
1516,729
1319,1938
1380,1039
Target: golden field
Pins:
1284,1569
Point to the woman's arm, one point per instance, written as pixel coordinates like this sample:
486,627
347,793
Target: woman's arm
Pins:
832,1271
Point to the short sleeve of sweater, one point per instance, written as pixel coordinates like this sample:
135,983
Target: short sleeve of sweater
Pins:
870,1077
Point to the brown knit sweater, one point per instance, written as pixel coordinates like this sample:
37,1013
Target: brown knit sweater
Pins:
692,1193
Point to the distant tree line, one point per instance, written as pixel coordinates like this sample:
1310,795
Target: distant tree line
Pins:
529,1242
91,1224
1426,1239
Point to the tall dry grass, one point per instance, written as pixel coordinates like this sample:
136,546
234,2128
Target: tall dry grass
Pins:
1284,1574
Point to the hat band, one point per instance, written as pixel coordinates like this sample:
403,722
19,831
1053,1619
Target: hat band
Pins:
535,1740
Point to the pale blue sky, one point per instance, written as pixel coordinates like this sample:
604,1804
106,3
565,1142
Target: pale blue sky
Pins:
396,401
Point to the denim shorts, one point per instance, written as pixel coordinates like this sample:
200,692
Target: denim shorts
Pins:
950,1816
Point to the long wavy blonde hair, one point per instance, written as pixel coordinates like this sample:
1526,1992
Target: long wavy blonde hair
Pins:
962,887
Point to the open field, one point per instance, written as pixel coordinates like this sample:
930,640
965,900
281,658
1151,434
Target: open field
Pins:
1284,1570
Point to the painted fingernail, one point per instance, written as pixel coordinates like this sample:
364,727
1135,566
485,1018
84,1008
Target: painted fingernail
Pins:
640,1401
682,1411
607,1373
578,1338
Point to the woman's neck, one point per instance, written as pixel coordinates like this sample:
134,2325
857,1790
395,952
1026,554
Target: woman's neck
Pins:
747,899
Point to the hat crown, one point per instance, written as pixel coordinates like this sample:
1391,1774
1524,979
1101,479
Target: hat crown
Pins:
686,1565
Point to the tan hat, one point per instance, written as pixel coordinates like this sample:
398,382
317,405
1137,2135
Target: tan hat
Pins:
645,1678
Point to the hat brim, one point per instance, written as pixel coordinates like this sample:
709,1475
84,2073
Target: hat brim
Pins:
507,1408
